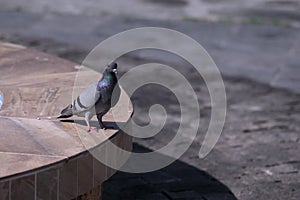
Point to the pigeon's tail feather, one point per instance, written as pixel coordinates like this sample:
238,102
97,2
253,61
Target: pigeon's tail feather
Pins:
67,112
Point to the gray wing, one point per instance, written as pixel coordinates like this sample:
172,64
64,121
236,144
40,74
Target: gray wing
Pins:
87,99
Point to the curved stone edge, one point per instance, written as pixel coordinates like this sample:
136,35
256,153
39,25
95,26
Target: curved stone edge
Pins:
78,175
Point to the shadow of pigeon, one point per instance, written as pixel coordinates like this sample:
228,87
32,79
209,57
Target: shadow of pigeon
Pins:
112,125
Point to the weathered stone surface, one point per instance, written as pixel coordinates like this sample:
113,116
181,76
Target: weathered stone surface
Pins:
42,157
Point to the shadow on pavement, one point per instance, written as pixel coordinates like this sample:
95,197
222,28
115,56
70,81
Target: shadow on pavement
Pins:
177,181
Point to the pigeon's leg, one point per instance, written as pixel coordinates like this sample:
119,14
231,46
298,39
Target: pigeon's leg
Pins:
87,120
99,117
102,126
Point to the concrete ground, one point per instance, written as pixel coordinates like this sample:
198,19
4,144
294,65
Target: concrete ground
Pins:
275,12
257,156
264,53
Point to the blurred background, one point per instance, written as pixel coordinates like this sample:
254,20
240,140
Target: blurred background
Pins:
255,44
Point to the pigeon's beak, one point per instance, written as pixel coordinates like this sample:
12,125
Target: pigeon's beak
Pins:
115,71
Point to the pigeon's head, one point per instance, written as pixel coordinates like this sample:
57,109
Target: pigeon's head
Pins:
111,68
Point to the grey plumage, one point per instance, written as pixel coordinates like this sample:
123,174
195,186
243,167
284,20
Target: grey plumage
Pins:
96,98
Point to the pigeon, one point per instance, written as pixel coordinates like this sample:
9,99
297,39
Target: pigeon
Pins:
96,99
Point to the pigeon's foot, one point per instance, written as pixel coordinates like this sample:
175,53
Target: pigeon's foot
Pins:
106,127
102,126
91,128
